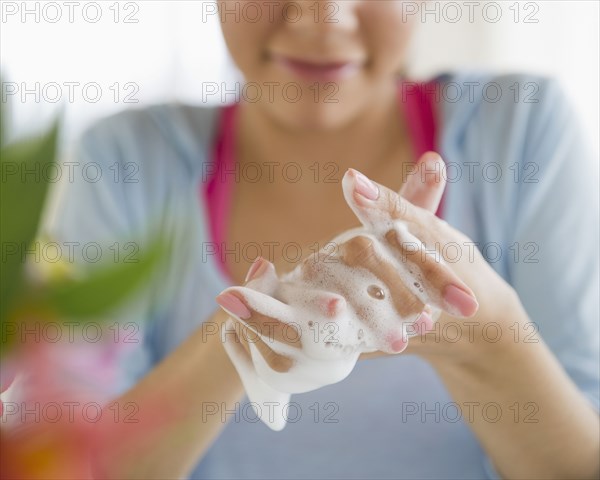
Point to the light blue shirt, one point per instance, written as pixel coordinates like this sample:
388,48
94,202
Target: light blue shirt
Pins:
525,191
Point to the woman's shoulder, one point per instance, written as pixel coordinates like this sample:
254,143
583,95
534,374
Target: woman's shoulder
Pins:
508,140
499,102
164,117
477,88
181,132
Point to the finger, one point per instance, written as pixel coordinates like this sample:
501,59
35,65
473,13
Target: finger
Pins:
380,210
242,333
425,183
423,324
360,252
375,205
264,315
433,279
261,395
236,350
261,276
370,355
255,328
318,301
248,338
426,279
360,259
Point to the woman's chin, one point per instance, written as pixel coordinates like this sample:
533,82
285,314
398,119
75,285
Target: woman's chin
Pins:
309,116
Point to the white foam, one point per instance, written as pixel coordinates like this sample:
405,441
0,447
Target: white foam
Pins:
330,345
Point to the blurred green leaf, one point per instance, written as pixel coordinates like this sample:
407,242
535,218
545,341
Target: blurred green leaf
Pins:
22,195
3,119
103,289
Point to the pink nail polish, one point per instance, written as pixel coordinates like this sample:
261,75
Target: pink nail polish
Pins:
234,305
397,341
365,187
460,300
424,323
256,269
399,345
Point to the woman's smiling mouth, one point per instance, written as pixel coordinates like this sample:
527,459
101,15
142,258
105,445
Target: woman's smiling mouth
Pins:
318,70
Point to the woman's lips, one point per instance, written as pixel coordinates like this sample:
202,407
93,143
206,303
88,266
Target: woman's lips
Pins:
323,71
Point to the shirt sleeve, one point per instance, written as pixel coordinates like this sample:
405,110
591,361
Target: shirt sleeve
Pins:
95,227
554,247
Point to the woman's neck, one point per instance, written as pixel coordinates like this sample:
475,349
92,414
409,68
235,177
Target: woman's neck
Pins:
369,143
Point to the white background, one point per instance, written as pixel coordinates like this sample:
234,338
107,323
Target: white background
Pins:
170,52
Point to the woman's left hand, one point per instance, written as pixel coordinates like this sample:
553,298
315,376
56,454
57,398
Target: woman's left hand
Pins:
499,306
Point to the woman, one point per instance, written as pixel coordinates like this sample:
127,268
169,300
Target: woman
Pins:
511,391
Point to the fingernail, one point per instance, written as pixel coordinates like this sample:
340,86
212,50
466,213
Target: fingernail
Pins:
365,187
399,345
397,341
460,300
233,305
256,269
424,323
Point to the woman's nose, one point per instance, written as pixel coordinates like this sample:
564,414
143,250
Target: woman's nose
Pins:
321,16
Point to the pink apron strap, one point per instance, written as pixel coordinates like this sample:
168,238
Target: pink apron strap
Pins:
417,101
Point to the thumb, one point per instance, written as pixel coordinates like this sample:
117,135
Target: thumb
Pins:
424,185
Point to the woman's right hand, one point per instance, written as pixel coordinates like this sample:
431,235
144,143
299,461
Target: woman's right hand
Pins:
430,282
